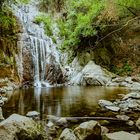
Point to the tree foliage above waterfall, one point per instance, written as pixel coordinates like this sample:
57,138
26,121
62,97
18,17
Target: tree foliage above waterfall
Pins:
88,21
109,28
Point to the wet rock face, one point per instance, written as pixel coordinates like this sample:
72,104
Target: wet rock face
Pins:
54,74
27,65
20,128
92,74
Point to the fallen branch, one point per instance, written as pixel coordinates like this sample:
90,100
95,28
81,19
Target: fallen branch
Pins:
91,118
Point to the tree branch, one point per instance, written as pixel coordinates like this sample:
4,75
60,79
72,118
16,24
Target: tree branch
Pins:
117,29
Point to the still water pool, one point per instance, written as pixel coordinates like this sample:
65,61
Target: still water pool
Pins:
59,101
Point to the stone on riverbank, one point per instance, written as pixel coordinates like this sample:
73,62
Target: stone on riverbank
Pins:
113,108
123,117
1,103
108,105
88,130
121,135
67,134
33,114
134,95
1,115
20,128
104,103
138,123
92,74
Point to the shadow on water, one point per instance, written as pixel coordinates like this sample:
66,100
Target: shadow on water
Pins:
59,101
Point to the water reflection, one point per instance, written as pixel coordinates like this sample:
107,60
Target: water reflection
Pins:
60,101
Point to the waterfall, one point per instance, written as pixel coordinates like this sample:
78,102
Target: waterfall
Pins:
34,39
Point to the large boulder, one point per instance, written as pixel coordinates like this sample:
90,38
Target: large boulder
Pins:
88,131
18,127
121,135
67,134
92,74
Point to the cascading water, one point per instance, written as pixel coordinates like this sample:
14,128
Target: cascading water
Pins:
41,46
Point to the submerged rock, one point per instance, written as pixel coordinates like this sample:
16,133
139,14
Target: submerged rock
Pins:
88,130
121,135
20,128
67,134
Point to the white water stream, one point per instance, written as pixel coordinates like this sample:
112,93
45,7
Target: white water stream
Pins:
33,37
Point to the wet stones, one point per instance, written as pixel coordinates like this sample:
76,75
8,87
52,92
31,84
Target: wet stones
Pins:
88,130
1,103
121,135
108,105
129,102
1,115
113,108
133,95
33,114
2,100
67,134
123,117
138,123
21,128
85,131
105,103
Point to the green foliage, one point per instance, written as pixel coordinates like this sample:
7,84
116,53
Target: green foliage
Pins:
79,23
51,5
7,20
47,21
125,69
22,1
127,7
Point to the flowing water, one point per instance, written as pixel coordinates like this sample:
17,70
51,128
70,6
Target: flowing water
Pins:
33,38
59,101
